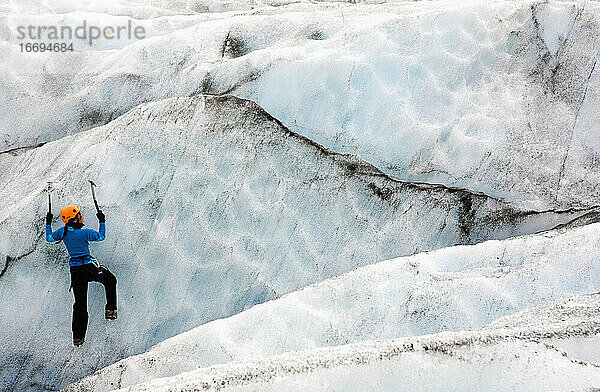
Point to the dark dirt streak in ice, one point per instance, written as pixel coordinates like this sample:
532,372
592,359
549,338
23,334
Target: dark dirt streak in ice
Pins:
563,74
585,219
353,165
20,150
356,167
562,168
10,259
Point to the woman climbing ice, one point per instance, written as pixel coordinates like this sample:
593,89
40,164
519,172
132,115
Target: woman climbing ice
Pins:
84,268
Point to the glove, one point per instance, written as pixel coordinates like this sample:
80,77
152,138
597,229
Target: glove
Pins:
101,217
49,217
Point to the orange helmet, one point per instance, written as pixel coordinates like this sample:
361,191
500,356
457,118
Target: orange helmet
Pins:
69,212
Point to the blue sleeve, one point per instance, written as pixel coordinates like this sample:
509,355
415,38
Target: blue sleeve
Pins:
99,235
56,236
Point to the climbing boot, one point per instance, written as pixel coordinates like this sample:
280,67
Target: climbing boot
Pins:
78,342
110,314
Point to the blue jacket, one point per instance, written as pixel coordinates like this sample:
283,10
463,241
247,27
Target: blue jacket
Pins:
77,241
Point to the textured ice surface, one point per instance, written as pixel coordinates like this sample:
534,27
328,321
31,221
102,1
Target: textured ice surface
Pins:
505,356
458,288
212,206
139,9
498,97
505,366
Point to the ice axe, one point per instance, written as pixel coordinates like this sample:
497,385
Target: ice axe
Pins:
49,190
94,195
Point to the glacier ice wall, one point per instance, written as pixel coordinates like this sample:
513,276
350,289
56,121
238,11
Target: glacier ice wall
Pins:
212,206
215,206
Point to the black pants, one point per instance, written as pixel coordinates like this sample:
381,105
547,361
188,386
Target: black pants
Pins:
80,276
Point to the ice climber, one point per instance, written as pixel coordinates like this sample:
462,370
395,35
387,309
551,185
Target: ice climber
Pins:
84,268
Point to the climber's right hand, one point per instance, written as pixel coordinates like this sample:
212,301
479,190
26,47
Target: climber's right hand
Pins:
101,217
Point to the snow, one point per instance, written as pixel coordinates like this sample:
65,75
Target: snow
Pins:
491,97
138,9
499,358
460,288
